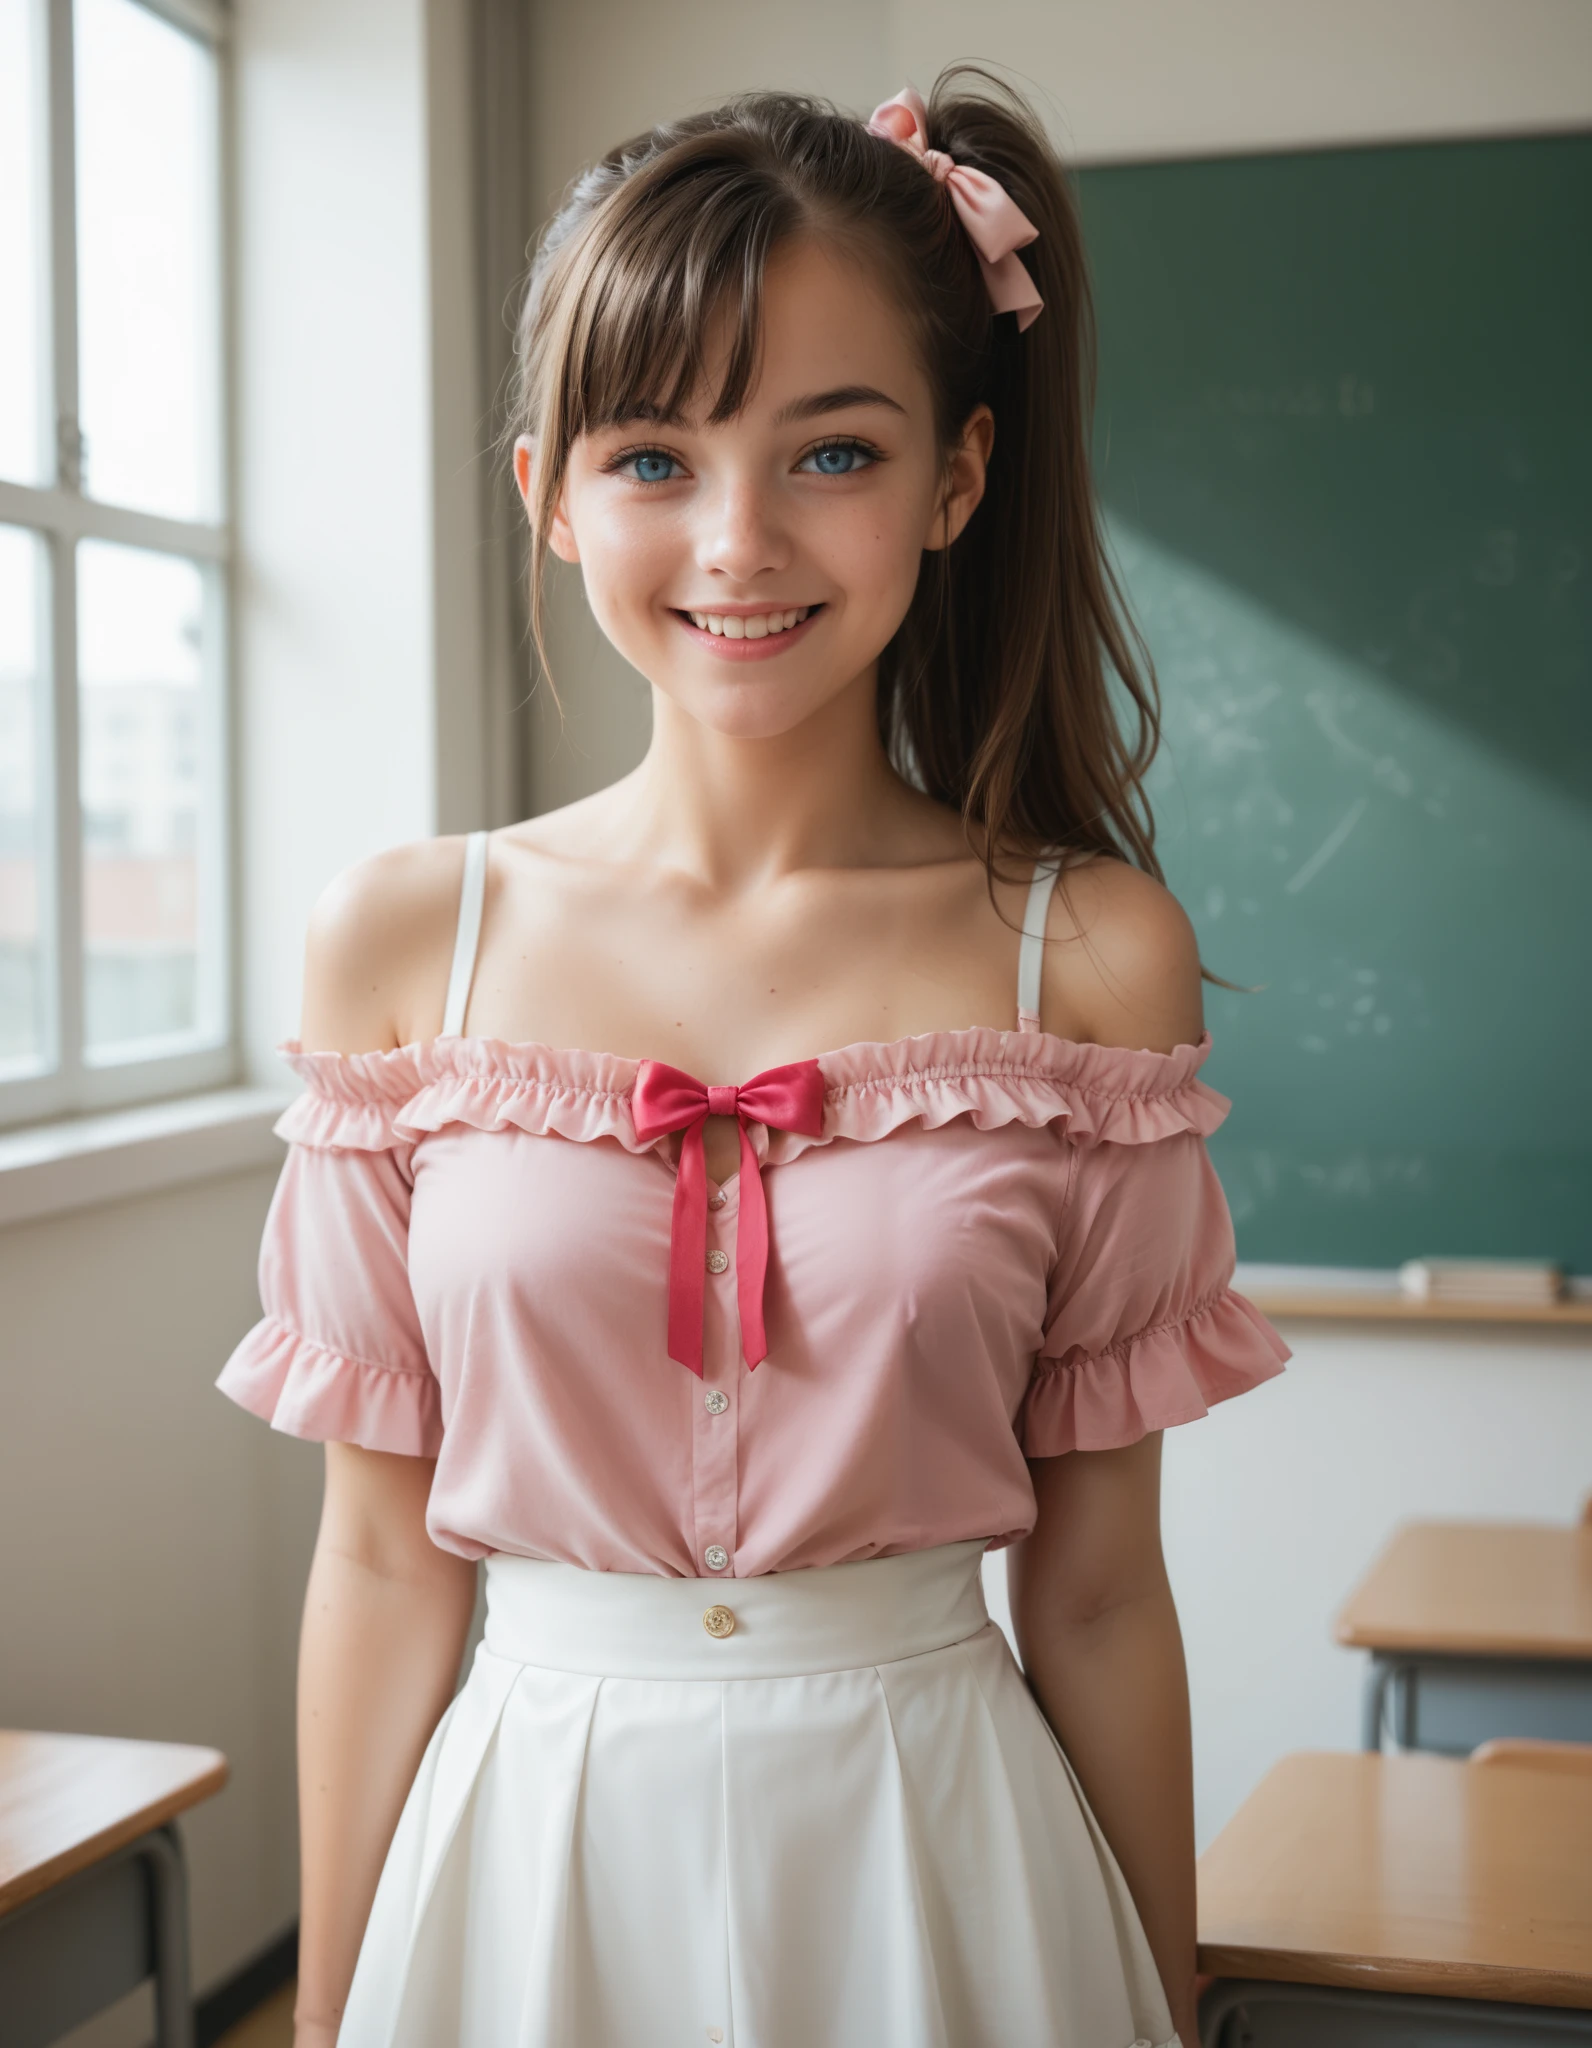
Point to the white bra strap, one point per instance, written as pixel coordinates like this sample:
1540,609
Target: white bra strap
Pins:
1031,957
472,892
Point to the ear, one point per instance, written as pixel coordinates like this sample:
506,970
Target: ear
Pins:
965,474
560,534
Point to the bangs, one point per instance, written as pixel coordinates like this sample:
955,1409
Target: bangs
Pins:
672,279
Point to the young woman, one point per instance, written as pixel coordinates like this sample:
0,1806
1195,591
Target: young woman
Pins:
729,1353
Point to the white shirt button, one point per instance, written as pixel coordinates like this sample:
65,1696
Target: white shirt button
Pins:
715,1402
716,1556
717,1199
718,1262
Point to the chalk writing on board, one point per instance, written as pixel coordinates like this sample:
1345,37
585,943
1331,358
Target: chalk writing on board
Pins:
1347,850
1328,847
1257,1175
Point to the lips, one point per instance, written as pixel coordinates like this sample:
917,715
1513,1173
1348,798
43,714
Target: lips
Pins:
750,626
750,636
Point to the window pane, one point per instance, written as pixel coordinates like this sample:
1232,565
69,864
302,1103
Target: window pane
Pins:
148,824
146,260
22,953
22,245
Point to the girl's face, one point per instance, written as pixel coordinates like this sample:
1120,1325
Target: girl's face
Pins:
755,569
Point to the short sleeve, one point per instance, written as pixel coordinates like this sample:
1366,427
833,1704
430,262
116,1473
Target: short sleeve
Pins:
1143,1328
339,1355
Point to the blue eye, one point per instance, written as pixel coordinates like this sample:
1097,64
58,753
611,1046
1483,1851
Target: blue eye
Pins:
651,466
837,458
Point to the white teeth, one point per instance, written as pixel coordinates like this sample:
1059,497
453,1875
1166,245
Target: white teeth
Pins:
759,627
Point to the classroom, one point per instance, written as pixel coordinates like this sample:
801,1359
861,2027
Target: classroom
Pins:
268,366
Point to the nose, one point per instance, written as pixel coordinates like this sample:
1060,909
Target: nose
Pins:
740,536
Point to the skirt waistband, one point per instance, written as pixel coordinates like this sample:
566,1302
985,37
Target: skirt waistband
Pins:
779,1625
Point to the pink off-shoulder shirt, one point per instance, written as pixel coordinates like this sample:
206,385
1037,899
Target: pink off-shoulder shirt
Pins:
1003,1245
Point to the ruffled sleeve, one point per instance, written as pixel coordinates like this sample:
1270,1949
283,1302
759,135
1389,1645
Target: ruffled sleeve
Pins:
339,1355
1143,1329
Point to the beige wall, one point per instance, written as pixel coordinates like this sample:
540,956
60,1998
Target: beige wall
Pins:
1154,78
336,620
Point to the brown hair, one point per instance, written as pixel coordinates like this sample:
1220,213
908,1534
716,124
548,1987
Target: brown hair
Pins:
996,694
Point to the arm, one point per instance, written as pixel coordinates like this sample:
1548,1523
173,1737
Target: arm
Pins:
1099,1639
385,1619
1091,1605
386,1612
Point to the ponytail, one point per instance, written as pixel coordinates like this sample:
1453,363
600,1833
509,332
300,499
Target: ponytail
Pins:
997,685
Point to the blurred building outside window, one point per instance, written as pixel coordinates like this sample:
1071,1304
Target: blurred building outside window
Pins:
114,554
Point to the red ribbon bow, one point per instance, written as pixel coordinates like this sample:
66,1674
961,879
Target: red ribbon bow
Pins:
787,1098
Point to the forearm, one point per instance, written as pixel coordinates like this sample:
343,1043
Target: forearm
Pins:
1115,1690
378,1657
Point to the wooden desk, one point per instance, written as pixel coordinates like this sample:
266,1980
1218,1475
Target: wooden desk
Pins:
1366,1898
1477,1629
93,1897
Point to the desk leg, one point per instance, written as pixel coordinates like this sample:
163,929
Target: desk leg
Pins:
1373,1702
1406,1684
168,1942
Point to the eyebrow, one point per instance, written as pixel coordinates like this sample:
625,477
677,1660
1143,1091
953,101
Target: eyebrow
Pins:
645,413
841,399
814,406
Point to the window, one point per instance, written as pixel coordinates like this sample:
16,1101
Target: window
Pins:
114,872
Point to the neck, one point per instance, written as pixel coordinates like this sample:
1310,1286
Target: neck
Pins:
738,812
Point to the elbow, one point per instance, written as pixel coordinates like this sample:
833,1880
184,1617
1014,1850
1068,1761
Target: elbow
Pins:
1083,1609
373,1521
372,1555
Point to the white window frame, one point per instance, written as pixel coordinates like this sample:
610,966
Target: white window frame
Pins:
61,515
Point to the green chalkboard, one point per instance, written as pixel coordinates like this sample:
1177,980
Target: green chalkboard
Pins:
1344,440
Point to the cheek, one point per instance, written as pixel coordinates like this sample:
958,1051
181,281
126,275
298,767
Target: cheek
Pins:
872,544
626,556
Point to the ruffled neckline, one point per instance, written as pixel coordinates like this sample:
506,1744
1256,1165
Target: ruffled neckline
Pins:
371,1101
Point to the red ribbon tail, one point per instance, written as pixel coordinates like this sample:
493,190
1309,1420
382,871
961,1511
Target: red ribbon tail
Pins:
751,1252
688,1238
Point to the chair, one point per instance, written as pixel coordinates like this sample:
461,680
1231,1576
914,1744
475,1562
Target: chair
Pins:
1523,1753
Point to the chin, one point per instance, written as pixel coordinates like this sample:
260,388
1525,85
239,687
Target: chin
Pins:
748,711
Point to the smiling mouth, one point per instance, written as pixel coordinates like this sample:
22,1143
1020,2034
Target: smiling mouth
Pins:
759,626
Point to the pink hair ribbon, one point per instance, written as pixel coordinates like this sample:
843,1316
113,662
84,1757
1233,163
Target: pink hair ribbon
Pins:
787,1098
996,226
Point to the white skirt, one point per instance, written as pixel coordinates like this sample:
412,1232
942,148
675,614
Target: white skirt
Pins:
844,1823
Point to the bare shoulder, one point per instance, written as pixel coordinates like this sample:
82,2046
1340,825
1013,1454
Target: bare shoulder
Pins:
1122,964
378,948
